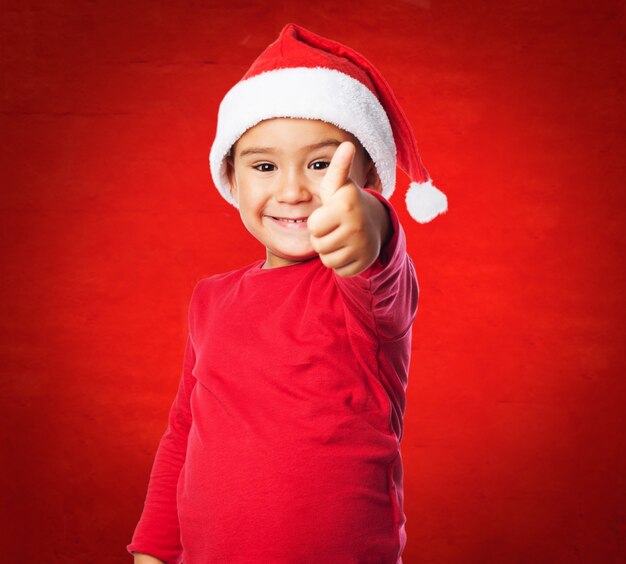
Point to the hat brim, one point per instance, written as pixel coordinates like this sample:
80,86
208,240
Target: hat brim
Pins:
309,93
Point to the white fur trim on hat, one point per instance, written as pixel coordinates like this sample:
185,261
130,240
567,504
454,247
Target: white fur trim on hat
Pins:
312,93
425,202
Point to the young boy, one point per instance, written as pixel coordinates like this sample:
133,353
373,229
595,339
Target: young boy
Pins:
283,442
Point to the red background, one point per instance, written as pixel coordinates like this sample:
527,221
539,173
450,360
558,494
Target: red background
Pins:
515,427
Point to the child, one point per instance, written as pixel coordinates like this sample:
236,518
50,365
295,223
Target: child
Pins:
283,442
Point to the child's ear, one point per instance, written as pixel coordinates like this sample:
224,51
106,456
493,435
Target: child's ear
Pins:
230,172
372,180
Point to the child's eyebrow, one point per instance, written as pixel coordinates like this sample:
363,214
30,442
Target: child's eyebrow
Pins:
272,150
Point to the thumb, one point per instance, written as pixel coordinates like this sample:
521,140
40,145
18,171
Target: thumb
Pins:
338,171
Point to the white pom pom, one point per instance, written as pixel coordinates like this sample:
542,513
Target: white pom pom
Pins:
425,202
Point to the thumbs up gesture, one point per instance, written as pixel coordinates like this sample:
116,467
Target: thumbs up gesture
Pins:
350,227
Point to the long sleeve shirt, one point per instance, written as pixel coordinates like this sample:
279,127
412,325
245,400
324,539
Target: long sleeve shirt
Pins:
283,441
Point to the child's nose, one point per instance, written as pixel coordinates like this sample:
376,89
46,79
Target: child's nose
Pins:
293,187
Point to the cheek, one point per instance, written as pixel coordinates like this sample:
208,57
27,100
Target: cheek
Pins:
250,201
358,172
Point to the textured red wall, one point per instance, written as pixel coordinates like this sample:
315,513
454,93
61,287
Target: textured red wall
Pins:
515,427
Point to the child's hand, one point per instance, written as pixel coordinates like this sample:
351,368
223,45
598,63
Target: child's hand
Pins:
141,558
350,227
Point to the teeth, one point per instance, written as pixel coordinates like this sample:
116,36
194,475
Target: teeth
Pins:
292,220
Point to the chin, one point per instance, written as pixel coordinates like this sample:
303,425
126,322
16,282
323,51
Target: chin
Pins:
300,258
297,257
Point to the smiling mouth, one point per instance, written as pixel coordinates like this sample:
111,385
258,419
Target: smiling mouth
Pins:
289,220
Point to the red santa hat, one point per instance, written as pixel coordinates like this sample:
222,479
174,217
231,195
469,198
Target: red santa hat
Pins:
304,75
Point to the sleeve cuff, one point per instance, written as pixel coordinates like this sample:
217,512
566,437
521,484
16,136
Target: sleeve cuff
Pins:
390,248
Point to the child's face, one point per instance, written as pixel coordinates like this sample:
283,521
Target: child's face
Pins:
275,174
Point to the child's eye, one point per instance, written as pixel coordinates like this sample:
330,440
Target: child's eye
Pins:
264,167
320,165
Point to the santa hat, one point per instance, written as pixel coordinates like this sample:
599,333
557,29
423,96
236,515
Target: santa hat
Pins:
304,75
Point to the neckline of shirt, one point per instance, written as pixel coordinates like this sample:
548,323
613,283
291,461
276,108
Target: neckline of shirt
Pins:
256,268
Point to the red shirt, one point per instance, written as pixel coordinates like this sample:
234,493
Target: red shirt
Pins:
283,442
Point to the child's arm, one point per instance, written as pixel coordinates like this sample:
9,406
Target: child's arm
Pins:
158,533
357,233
